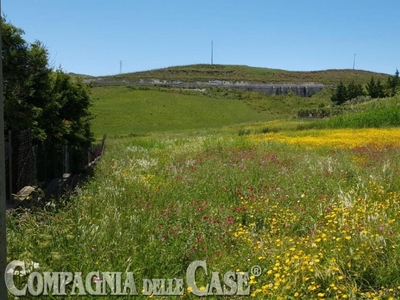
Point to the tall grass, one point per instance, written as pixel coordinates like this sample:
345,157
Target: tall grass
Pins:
372,116
320,222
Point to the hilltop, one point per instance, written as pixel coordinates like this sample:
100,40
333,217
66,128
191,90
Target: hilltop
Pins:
123,108
236,73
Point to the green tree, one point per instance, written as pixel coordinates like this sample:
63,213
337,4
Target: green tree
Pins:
40,89
393,84
52,104
340,95
375,89
354,90
73,116
19,111
379,89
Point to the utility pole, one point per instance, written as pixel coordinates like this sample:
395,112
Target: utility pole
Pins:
354,61
120,67
3,232
212,52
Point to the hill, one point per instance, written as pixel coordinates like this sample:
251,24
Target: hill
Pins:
136,110
236,73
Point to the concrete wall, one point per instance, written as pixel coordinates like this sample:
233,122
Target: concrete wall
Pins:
303,90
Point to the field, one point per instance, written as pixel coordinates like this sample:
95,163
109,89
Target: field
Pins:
123,111
272,206
142,111
321,221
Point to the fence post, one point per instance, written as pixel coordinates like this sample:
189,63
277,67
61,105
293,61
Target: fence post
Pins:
10,166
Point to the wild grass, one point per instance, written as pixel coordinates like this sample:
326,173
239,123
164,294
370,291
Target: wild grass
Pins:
123,111
380,117
322,222
380,113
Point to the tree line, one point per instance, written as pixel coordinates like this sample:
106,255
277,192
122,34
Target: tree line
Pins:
52,104
374,89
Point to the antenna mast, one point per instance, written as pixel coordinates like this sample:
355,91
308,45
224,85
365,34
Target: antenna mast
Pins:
212,52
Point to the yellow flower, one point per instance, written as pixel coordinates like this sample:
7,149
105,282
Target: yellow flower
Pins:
338,138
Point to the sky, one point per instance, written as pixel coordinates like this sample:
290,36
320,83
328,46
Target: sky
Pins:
93,37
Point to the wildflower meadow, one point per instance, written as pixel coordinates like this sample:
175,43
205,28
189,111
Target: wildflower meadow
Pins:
316,210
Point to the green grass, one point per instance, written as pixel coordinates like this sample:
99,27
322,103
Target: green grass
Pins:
125,111
237,73
377,113
317,221
372,118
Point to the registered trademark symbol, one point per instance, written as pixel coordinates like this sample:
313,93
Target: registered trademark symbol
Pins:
256,270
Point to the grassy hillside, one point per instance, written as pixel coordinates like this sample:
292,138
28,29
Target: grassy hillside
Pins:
233,73
124,110
377,113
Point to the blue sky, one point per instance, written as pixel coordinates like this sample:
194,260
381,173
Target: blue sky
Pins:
92,37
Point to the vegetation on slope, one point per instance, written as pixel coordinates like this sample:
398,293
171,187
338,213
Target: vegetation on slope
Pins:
234,73
128,110
377,113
